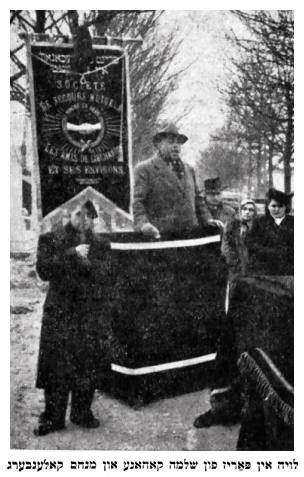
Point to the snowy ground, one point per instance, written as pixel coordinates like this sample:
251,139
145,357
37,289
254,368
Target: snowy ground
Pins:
161,425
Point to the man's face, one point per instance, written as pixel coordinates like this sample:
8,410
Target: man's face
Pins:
79,215
88,221
213,198
169,147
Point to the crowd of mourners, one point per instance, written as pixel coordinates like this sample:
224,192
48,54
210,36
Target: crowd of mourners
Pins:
253,246
260,245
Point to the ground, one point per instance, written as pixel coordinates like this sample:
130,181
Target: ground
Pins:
162,425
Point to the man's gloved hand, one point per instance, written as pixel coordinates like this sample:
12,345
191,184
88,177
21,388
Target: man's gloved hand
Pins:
216,222
82,250
150,230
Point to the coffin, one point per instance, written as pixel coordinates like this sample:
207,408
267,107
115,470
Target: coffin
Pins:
165,301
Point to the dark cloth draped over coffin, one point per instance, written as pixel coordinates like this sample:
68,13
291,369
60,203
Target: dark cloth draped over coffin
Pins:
165,304
261,312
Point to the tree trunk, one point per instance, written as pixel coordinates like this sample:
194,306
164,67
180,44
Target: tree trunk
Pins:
40,21
249,182
74,21
259,165
270,164
288,156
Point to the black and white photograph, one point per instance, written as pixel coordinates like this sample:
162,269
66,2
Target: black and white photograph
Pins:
152,235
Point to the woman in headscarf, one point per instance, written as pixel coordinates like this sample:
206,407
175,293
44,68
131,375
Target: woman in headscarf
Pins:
233,246
271,241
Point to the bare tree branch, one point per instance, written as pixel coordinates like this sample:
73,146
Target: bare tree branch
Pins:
14,15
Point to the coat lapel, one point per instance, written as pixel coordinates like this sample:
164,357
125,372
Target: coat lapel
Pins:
166,173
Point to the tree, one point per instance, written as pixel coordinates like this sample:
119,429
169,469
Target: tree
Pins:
151,81
150,78
260,93
227,157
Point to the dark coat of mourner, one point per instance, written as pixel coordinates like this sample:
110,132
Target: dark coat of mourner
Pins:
69,342
234,250
73,261
271,246
170,204
233,246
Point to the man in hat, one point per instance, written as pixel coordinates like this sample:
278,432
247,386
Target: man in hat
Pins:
166,194
69,354
220,212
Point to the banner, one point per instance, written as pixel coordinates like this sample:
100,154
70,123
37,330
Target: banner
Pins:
81,124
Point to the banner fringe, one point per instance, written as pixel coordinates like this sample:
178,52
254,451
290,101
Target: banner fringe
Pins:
283,410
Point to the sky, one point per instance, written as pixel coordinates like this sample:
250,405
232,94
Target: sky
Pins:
203,33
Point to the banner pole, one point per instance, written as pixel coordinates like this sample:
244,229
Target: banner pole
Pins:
32,118
129,123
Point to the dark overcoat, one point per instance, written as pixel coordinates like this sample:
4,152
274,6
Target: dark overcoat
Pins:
271,246
169,203
70,349
234,249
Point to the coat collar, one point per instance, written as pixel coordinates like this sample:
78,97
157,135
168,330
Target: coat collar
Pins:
273,219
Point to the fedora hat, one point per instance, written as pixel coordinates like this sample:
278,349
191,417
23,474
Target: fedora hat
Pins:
169,130
213,185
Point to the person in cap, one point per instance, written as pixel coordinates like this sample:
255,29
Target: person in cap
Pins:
233,246
166,195
70,357
220,211
271,240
